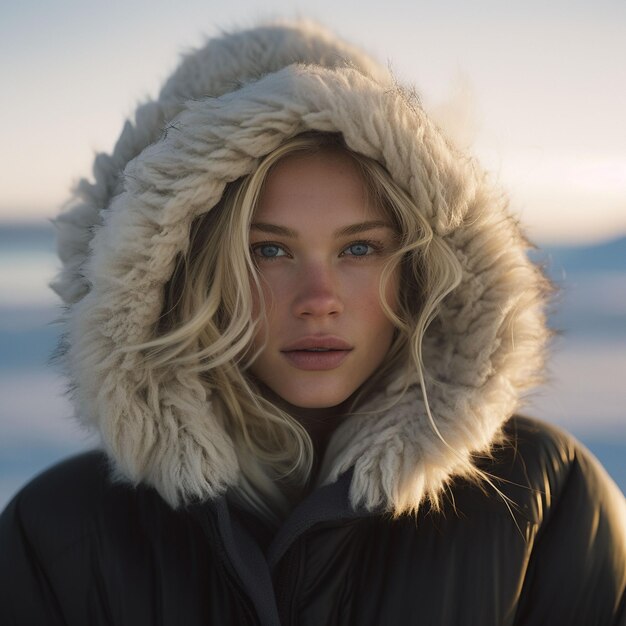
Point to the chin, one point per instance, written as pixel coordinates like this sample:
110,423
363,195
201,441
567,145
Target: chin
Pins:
325,405
317,398
315,402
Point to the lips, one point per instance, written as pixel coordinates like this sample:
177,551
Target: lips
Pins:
317,353
321,342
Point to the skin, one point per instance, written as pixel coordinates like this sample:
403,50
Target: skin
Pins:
319,281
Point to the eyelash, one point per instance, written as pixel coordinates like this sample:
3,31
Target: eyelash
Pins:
376,246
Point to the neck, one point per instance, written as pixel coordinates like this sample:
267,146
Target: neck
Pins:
319,422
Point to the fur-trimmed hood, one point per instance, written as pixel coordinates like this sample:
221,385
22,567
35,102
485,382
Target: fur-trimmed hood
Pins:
226,106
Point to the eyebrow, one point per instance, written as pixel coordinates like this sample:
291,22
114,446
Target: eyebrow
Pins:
346,231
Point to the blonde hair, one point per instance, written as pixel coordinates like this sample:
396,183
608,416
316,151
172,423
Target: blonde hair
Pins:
207,320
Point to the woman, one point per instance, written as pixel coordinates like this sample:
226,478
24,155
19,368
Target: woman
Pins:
301,322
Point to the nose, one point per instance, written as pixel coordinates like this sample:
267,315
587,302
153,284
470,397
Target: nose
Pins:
317,293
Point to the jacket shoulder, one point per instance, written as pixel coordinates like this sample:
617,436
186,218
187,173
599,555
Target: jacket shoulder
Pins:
78,499
43,525
74,543
577,545
60,503
547,461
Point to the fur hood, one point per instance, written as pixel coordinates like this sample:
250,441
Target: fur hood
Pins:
226,106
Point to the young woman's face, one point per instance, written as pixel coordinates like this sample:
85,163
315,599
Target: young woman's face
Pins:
320,250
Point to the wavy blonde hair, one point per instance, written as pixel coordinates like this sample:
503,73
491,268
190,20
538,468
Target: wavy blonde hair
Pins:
207,320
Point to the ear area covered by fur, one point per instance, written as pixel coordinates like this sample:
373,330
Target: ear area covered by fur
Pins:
120,242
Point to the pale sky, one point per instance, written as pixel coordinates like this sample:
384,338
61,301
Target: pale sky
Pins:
542,89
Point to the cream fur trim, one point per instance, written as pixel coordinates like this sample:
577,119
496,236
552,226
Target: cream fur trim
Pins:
228,105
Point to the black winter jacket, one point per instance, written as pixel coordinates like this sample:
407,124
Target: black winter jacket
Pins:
551,549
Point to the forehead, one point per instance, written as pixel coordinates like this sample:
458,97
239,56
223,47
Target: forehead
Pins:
324,185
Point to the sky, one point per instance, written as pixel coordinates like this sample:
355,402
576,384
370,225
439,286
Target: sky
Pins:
536,90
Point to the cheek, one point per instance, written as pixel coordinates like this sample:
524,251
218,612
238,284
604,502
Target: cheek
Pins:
379,322
367,292
264,311
258,316
256,301
261,293
392,290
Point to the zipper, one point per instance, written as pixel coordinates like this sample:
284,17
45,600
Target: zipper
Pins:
231,577
288,572
286,584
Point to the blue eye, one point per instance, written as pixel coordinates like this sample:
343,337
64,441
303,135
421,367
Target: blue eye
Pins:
358,249
268,251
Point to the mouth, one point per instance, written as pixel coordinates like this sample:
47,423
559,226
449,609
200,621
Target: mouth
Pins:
317,343
317,353
317,350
